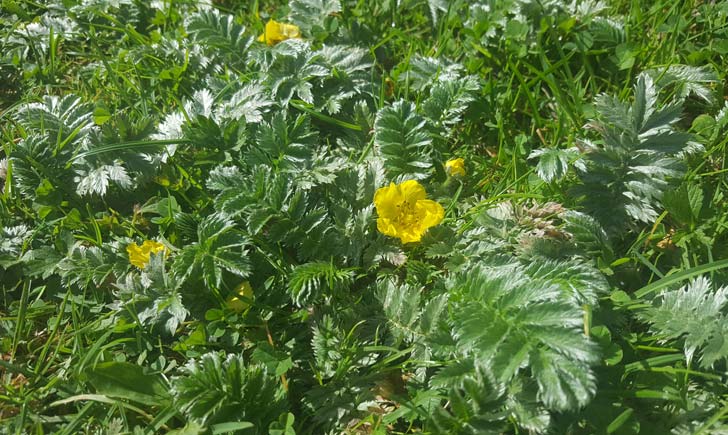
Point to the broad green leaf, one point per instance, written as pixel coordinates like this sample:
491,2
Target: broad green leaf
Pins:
221,428
128,381
284,425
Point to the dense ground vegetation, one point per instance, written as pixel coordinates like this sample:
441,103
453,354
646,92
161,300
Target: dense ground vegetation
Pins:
363,217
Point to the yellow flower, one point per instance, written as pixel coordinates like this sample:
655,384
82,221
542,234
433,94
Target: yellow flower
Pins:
404,212
139,255
240,300
276,32
455,167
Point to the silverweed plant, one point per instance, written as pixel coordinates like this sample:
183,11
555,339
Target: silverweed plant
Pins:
363,217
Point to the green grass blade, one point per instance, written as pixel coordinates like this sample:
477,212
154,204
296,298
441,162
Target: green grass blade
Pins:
681,276
140,145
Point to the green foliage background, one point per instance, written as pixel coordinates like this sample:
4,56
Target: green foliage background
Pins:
577,285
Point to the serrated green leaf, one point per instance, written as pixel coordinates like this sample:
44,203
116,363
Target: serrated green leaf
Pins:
101,115
403,141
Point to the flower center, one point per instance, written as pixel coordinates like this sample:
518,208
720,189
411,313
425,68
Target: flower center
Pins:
407,216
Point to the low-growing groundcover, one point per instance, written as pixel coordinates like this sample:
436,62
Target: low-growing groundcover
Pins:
364,217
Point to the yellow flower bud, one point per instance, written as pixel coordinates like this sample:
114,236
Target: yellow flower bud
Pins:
455,167
240,299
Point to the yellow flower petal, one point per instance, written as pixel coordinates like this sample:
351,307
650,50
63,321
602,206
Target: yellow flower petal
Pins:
455,167
412,190
139,255
430,212
136,257
387,200
386,227
276,32
410,235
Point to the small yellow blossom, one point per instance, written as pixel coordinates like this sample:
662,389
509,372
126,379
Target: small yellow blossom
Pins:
139,255
404,212
276,32
240,299
455,167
